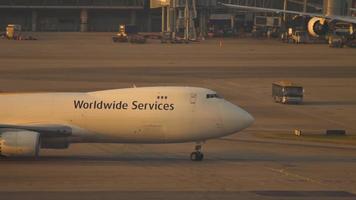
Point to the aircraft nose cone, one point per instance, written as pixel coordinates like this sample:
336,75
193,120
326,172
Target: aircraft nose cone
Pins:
246,119
236,119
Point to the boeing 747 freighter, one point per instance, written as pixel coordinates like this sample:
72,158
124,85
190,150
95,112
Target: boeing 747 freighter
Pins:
147,115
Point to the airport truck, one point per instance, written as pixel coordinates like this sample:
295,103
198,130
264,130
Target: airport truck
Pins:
128,33
13,31
287,92
342,35
121,36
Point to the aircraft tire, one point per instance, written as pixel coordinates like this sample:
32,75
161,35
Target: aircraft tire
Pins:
201,156
196,156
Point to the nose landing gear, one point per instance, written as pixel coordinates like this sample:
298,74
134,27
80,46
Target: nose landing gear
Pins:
197,155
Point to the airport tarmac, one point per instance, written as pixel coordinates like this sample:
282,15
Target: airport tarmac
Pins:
241,166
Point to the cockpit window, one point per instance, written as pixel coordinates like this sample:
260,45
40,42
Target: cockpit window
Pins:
211,96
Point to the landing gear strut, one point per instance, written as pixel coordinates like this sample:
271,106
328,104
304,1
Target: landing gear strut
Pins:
197,155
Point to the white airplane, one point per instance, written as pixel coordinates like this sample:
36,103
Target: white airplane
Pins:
31,121
316,24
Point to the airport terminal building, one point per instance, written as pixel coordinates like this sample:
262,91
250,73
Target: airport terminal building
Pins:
96,15
106,15
77,15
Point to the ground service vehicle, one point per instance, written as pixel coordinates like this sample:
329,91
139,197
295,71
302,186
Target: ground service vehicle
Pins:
295,36
343,35
287,92
129,33
121,36
13,31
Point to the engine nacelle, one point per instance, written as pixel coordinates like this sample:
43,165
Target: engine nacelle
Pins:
317,26
19,143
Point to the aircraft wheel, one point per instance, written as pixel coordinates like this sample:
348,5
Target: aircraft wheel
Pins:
196,156
201,156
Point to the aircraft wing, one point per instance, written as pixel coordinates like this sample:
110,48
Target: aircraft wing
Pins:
315,6
348,19
45,130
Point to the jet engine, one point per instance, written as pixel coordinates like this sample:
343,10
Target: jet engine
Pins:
19,143
317,26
